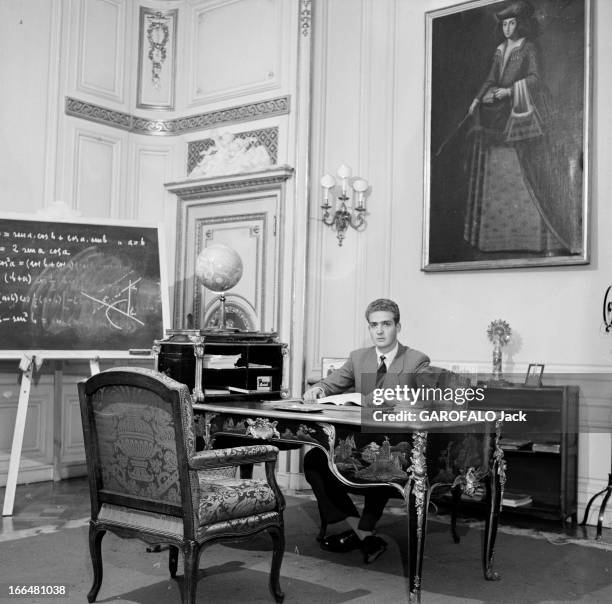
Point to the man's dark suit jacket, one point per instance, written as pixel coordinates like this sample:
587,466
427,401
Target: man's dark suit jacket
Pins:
409,368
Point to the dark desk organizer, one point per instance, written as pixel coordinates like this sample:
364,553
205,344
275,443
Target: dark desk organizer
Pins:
258,372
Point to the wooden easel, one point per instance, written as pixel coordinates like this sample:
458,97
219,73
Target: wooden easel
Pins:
22,409
26,366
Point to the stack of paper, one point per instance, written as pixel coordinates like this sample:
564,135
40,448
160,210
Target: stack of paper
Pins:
547,447
220,361
515,500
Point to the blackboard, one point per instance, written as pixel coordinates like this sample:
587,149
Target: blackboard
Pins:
77,288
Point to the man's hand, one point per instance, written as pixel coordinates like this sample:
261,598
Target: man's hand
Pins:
312,394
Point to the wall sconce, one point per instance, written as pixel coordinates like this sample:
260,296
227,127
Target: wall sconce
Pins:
344,215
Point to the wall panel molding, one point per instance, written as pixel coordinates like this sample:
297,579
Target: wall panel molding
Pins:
152,168
97,178
223,31
73,448
180,125
102,49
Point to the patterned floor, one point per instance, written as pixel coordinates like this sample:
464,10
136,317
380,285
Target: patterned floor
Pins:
49,506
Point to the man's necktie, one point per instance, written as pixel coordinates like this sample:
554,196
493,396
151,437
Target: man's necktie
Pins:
381,371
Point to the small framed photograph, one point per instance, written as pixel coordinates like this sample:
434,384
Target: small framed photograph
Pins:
330,364
534,375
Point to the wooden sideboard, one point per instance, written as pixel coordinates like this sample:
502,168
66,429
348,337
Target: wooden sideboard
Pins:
550,477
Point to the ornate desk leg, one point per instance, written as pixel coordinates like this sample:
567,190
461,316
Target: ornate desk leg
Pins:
495,491
416,494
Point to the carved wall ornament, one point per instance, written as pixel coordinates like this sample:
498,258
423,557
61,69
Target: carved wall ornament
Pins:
158,33
305,17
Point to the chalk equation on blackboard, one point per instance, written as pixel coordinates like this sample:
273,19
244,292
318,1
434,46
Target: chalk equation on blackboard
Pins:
111,305
78,286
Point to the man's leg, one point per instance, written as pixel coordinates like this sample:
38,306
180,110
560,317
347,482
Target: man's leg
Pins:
373,506
372,546
332,497
336,505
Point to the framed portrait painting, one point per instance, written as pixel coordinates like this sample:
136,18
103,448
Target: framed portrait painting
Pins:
507,134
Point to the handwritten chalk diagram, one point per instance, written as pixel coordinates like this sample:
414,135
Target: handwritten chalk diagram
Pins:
112,305
95,293
86,287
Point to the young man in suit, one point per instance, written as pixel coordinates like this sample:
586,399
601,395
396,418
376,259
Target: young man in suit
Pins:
385,365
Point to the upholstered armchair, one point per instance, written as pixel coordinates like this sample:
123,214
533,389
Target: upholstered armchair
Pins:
147,481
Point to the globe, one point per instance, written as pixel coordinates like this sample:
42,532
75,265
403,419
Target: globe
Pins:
218,267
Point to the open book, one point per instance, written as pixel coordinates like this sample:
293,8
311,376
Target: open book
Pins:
346,398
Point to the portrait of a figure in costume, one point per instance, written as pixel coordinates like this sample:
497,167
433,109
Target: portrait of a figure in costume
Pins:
507,125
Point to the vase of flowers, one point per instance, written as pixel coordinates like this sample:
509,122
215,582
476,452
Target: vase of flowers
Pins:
499,333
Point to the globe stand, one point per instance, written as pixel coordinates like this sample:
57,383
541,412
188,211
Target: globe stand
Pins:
222,327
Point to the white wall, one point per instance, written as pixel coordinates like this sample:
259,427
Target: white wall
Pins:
369,112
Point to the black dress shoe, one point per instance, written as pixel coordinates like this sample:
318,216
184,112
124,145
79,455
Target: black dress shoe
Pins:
372,547
341,542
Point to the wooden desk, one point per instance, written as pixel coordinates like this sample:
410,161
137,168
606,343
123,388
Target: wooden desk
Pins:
398,459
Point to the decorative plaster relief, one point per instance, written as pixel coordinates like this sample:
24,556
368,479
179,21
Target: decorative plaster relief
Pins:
266,137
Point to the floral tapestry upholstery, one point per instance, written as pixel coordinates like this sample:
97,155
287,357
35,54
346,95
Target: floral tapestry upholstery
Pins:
224,499
137,440
184,398
137,449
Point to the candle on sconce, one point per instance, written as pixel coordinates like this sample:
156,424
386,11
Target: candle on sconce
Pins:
349,194
360,186
344,172
327,182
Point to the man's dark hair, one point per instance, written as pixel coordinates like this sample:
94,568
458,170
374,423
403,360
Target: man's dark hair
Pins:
383,304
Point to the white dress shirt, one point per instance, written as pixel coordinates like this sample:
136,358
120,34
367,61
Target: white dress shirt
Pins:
389,356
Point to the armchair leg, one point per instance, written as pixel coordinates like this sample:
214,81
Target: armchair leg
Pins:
278,541
95,550
191,554
173,560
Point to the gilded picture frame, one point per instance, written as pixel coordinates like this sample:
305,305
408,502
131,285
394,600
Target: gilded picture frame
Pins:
507,132
157,59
